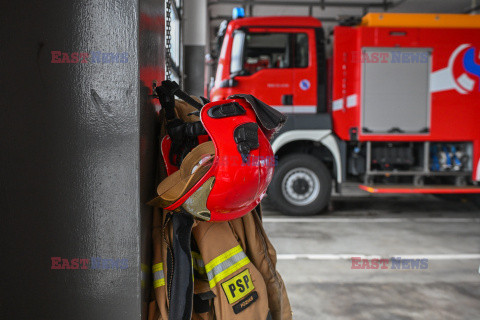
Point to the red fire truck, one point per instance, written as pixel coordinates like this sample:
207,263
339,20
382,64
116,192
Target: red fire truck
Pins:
395,106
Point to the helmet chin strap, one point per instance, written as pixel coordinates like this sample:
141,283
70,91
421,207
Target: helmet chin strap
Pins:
173,89
181,300
184,138
183,135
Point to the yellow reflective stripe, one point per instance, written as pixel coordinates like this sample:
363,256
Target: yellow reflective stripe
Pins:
157,267
158,275
223,257
158,283
227,272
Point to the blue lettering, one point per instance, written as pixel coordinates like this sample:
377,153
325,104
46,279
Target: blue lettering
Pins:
115,263
396,57
123,57
107,57
423,57
105,264
109,264
423,263
415,263
123,264
414,57
396,263
96,57
96,263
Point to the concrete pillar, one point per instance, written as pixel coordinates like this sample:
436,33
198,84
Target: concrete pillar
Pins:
195,38
76,159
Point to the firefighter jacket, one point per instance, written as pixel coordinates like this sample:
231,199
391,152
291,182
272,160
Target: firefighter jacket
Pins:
234,271
234,264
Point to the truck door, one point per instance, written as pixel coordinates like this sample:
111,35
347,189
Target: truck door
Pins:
305,78
274,65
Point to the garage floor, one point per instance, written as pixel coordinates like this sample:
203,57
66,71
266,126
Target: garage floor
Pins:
314,258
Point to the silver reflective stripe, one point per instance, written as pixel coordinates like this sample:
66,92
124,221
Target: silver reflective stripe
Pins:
158,275
225,265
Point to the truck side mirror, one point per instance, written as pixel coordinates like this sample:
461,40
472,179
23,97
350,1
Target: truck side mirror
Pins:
229,83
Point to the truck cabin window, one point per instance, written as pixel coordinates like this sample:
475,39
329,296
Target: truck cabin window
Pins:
256,51
237,52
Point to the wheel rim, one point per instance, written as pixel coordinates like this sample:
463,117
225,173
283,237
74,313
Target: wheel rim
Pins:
300,186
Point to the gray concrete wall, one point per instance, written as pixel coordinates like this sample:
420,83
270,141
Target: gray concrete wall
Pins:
195,39
194,69
76,141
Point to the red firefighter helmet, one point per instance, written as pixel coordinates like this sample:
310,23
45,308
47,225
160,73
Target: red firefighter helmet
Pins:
225,178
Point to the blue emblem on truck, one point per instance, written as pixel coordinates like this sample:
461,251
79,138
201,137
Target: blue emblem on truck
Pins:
304,84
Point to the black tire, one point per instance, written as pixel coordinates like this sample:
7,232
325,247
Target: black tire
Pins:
295,177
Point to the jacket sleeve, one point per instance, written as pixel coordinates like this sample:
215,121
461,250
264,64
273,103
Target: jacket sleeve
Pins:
159,265
250,232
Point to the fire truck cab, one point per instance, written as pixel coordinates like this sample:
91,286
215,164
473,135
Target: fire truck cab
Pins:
396,107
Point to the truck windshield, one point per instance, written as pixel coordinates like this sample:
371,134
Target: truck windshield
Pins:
253,52
237,52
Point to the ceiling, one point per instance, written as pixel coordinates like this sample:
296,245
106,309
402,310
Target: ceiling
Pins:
333,9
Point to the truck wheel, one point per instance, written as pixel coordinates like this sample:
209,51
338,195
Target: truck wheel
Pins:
301,185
